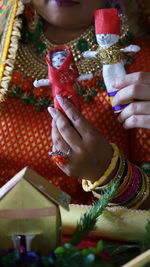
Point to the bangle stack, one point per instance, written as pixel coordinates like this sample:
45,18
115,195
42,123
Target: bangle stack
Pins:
131,189
142,192
134,184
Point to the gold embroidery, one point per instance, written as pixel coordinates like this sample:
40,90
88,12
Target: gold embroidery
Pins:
110,55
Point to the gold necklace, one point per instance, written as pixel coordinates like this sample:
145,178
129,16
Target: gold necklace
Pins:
36,67
84,65
29,66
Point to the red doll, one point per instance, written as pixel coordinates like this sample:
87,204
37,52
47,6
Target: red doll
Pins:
63,75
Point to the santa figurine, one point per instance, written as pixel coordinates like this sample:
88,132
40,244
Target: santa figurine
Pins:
107,28
63,76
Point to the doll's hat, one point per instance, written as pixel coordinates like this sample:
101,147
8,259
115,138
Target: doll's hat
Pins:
107,21
10,25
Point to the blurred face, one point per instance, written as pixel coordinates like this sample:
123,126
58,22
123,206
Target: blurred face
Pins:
107,40
57,59
68,14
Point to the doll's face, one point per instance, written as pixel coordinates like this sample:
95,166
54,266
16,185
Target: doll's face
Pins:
107,40
68,14
57,59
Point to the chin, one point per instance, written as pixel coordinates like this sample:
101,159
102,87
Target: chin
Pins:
66,22
66,17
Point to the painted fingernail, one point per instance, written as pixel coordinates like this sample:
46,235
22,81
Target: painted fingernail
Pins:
52,111
60,99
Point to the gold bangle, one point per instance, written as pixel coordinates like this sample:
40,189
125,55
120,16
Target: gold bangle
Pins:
126,182
103,178
118,175
134,200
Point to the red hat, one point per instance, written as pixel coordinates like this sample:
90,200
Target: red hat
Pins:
107,21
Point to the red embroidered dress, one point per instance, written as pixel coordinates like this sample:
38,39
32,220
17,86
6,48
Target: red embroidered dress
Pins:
63,79
25,135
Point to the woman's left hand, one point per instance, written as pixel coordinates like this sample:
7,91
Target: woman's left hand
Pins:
90,152
136,87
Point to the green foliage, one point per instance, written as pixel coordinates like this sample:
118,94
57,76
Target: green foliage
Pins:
69,255
124,253
88,220
121,254
145,245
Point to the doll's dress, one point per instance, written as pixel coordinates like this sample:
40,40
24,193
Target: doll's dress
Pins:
64,78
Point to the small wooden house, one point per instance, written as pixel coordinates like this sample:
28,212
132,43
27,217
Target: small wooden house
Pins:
29,211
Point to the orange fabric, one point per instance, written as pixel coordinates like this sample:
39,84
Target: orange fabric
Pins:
25,136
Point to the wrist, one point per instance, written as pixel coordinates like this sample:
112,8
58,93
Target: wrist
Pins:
103,163
89,186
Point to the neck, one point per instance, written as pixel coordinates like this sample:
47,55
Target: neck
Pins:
59,35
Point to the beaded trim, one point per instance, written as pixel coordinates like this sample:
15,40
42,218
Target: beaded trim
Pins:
9,43
113,209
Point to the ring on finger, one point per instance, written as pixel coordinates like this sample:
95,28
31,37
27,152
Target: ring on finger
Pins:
60,157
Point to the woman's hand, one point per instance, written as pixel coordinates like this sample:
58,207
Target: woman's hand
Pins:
90,152
135,86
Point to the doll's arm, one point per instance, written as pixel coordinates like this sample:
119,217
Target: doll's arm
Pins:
131,48
89,54
42,82
84,77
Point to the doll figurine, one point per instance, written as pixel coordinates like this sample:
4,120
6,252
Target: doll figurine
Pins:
107,28
63,76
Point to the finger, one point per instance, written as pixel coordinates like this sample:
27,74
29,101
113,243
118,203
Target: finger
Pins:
67,132
135,108
54,148
137,121
84,128
65,168
60,167
139,92
133,78
57,139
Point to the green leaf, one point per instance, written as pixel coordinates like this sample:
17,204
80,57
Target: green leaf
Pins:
88,220
92,250
124,248
121,254
59,250
146,242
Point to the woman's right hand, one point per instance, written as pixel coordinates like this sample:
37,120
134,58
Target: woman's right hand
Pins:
134,86
90,151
